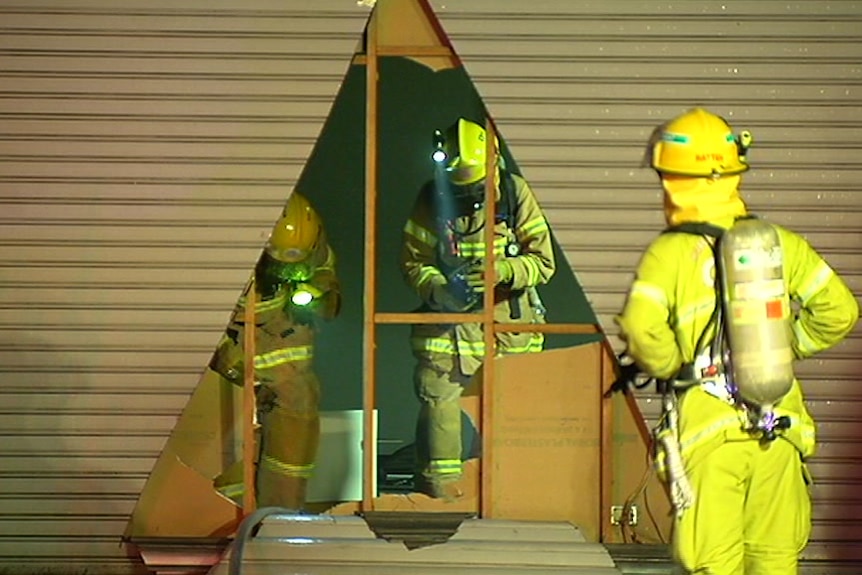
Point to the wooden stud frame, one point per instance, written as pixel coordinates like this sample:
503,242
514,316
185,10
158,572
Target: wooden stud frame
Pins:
372,318
248,403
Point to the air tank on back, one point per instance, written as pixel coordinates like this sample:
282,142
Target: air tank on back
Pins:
757,312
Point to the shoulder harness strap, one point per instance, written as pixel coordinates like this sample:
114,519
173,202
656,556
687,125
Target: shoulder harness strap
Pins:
709,230
508,204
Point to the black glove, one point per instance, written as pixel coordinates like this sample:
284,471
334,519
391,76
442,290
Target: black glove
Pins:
630,376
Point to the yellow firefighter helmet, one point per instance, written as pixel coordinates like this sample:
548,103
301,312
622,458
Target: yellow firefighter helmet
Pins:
464,152
700,144
297,232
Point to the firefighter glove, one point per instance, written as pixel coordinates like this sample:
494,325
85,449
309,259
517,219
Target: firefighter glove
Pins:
503,274
503,271
227,360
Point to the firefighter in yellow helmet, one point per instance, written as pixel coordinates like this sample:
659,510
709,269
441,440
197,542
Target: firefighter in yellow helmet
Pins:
735,467
296,287
441,259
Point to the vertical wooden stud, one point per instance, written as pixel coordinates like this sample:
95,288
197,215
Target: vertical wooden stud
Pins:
369,448
248,402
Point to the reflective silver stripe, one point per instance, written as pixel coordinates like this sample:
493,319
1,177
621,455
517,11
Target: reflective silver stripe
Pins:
642,289
815,281
688,315
804,343
692,439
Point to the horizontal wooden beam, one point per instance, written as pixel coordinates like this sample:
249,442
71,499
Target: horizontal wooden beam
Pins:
447,318
407,51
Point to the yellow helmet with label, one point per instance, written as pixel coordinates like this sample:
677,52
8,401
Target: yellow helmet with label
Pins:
464,152
700,144
297,232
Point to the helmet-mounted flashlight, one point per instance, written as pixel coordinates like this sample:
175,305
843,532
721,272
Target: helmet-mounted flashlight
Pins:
439,154
743,142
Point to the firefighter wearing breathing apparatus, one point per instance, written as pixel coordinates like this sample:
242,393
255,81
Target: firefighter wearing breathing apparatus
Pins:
441,259
296,287
721,305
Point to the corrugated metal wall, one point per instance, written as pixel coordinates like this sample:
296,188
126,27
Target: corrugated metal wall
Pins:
146,145
577,87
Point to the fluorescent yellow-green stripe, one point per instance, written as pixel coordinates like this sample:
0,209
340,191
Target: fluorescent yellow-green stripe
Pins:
474,348
231,490
532,228
533,272
278,302
444,466
471,348
420,233
427,274
535,345
329,264
449,347
284,355
435,345
477,249
288,469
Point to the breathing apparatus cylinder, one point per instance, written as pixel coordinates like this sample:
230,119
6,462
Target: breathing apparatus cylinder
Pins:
756,312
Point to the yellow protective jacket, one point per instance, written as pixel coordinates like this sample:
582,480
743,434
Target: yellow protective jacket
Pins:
422,268
670,303
284,333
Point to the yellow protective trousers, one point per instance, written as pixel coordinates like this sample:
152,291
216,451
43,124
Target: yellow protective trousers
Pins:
290,433
751,513
438,427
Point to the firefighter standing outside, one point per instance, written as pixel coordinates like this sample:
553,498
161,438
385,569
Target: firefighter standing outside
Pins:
441,259
741,494
296,287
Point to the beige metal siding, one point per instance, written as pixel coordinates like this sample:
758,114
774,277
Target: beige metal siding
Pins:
145,145
576,88
146,148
